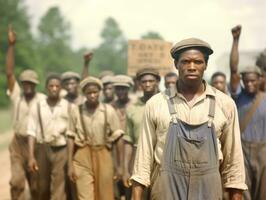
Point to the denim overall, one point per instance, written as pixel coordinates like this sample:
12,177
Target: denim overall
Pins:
190,165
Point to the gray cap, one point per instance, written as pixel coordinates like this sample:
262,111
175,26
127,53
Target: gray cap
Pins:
69,75
145,71
251,69
107,79
190,43
123,80
90,80
30,76
106,73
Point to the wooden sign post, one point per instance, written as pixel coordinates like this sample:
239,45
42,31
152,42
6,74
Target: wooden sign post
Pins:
149,53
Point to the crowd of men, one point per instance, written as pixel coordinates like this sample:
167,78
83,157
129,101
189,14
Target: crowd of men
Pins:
118,137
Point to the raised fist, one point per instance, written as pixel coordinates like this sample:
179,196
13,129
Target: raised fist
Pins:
11,36
236,31
88,56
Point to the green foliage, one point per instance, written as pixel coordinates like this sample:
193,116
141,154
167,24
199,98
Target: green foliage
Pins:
261,60
13,12
152,35
112,52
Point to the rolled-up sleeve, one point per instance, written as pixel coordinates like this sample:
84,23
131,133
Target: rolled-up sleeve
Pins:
113,124
144,160
232,166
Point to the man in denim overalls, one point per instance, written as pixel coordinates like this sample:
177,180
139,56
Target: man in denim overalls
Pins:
189,147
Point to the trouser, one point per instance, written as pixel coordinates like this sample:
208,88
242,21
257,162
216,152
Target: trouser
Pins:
255,165
52,172
94,170
20,173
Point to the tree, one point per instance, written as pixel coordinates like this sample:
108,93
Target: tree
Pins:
152,35
54,42
112,52
14,12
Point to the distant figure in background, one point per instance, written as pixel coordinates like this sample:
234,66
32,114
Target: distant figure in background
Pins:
149,80
218,80
108,89
23,99
122,85
93,127
170,79
70,82
251,106
47,125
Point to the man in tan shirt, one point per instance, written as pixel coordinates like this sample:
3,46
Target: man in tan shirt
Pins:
93,128
46,131
22,101
195,104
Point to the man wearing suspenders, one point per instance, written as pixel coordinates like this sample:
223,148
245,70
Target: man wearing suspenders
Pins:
93,127
46,131
22,101
189,146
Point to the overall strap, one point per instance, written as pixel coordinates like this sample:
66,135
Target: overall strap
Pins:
82,122
170,102
211,110
40,119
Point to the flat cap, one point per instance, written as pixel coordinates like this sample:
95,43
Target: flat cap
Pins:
30,76
146,71
123,80
190,43
69,74
106,73
251,69
107,79
90,80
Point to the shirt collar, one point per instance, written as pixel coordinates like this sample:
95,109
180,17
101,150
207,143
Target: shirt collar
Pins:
209,91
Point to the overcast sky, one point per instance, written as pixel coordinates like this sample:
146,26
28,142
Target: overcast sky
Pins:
210,20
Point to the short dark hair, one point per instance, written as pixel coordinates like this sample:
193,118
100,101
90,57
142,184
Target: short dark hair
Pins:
52,76
201,49
214,75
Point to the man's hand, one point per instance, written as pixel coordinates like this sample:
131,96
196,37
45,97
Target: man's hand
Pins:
33,165
126,177
236,31
71,173
11,36
118,173
88,57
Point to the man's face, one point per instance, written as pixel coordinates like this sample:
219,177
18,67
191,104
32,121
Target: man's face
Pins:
28,88
170,81
251,82
191,66
53,88
219,83
71,86
149,84
92,92
263,83
121,92
108,91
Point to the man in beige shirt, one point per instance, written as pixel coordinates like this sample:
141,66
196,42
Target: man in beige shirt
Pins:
22,101
194,104
93,128
46,131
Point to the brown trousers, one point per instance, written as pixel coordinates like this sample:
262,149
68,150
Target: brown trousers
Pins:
255,164
94,170
20,173
52,172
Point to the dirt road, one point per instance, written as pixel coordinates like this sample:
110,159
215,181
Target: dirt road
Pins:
4,165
